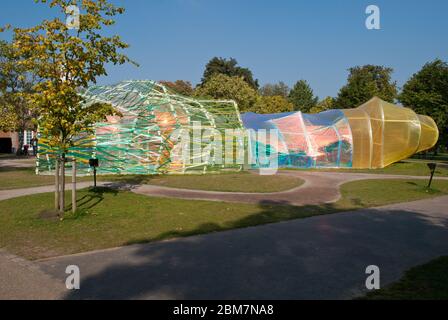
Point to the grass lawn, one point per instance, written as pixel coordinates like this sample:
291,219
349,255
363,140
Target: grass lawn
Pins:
229,182
414,168
14,178
109,218
374,193
426,282
430,156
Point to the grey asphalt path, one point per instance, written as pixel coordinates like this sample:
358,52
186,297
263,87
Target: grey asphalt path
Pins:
24,280
319,188
322,257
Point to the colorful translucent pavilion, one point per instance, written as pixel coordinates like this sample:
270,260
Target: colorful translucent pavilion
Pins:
374,135
143,140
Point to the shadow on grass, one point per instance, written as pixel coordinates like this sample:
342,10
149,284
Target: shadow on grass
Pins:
270,212
89,201
128,179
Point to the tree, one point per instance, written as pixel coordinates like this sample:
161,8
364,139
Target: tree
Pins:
221,86
67,61
302,96
179,86
324,105
16,85
228,67
272,104
364,83
426,92
275,89
8,79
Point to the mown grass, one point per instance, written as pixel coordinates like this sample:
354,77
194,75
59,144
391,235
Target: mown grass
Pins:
109,218
15,178
229,182
425,282
411,168
430,156
374,193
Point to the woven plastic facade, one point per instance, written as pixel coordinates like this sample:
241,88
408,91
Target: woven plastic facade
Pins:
142,140
373,135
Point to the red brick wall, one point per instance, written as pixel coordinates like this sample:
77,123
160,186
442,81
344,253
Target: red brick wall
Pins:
14,137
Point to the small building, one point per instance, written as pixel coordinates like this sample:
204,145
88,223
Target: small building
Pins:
9,141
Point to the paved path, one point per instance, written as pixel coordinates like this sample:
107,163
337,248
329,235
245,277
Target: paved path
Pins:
23,280
323,257
319,187
320,257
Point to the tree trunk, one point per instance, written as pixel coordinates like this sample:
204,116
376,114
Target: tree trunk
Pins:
62,196
436,150
21,139
21,130
56,185
74,185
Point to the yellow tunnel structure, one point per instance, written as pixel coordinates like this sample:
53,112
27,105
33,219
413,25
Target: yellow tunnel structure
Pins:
374,135
384,133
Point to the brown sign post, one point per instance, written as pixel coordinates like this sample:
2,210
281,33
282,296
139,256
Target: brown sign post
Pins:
432,166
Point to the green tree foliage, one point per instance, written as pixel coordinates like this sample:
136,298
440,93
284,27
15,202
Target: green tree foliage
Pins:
426,92
180,87
275,89
272,104
228,67
16,85
302,96
66,61
364,83
8,79
223,87
324,105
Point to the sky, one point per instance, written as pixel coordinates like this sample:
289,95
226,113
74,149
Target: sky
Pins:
279,40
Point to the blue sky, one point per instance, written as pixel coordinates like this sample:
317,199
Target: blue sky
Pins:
278,40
